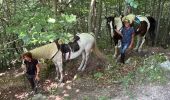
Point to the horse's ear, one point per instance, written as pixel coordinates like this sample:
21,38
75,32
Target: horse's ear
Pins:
121,16
114,16
25,50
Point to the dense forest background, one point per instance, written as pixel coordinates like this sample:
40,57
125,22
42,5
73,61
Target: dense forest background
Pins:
31,23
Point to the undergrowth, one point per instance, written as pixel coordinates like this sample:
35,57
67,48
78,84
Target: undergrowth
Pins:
148,72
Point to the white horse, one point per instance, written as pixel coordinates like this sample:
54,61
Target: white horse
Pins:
87,43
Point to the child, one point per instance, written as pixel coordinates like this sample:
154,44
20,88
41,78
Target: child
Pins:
127,39
32,69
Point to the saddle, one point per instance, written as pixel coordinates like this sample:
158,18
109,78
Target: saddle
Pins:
70,47
136,23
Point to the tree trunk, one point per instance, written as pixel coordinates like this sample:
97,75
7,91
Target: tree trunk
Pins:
153,8
55,7
94,18
98,19
91,13
160,10
127,9
167,31
15,6
120,7
145,6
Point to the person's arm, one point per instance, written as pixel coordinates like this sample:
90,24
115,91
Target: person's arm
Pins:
23,66
38,71
119,32
132,41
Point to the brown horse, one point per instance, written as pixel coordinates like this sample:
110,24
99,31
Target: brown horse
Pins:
141,24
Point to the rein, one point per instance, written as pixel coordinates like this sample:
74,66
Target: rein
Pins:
54,54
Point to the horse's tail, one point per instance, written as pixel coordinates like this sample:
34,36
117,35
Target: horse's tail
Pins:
152,28
98,53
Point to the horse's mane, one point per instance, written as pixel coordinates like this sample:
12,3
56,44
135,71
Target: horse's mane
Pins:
118,23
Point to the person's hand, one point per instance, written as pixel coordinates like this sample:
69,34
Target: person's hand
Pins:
130,47
119,32
23,67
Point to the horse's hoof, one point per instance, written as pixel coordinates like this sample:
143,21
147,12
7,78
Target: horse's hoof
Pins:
79,69
139,50
82,69
135,49
114,56
60,81
56,78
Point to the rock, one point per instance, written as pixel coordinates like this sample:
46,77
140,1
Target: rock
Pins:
128,61
68,87
165,65
39,97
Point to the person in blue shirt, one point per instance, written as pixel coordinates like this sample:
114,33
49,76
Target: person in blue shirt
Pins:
127,39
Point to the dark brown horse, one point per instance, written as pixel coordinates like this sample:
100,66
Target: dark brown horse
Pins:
141,24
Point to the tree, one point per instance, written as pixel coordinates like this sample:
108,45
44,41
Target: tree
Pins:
98,18
91,15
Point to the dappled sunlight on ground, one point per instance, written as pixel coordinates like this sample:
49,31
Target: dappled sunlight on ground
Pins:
81,85
1,74
22,95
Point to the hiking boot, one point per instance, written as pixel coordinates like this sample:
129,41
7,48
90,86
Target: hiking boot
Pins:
122,58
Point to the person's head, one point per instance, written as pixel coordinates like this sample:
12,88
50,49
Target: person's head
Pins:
127,23
27,56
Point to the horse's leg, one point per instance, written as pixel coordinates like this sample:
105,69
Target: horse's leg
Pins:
111,40
59,64
119,47
119,44
86,59
60,67
83,60
116,48
143,40
138,42
57,71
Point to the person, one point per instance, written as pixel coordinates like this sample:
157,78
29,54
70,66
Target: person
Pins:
32,70
127,39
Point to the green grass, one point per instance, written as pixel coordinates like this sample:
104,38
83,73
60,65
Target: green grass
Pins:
148,72
103,98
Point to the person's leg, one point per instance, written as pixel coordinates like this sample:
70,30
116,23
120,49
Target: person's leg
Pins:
123,51
31,81
36,82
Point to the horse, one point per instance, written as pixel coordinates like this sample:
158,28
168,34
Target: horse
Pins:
111,22
141,24
53,51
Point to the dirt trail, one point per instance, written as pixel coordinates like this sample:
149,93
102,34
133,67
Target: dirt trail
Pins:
84,87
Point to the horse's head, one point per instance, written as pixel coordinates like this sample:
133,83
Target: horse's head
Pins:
114,22
110,21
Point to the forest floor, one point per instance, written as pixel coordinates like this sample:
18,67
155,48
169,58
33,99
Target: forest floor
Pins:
95,83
